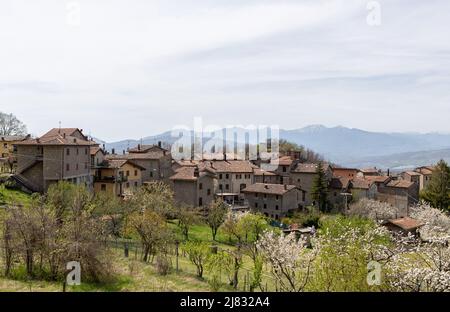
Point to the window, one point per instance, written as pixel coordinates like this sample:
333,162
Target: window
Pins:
276,207
135,184
200,186
227,187
67,152
151,174
135,173
67,167
335,194
265,195
256,205
256,195
127,185
220,186
243,186
303,196
265,206
227,176
284,169
276,217
128,173
76,167
208,192
276,197
103,187
200,201
220,176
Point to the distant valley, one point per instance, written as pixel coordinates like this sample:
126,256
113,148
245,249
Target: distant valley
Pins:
349,147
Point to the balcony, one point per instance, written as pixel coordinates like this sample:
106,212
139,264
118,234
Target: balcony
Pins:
110,179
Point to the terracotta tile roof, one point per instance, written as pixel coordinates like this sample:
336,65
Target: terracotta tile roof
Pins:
232,166
406,223
360,183
95,150
13,138
339,183
309,168
378,179
260,172
56,140
218,156
369,170
400,184
188,173
147,148
119,163
138,156
61,131
412,173
428,170
186,163
275,189
285,161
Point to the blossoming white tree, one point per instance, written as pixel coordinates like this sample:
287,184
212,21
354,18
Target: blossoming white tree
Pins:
289,260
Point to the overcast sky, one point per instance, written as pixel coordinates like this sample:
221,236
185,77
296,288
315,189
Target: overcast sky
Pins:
135,68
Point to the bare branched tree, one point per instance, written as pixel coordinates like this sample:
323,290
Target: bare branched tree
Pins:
10,125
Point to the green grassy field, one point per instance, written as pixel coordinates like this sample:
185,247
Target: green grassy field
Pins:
130,273
13,197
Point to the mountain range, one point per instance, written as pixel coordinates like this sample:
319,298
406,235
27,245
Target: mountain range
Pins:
348,146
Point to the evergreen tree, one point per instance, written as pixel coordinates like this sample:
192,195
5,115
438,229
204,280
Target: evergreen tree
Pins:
437,193
319,189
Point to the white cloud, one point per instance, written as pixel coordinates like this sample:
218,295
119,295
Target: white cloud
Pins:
149,65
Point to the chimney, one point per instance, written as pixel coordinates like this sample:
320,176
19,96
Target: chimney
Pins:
225,156
64,135
285,186
139,147
104,146
159,144
196,172
389,173
266,186
113,151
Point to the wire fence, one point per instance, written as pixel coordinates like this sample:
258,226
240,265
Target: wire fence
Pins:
180,260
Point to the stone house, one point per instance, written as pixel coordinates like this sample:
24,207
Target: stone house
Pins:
274,200
426,174
366,172
263,176
118,177
348,173
194,185
8,151
303,176
363,188
232,175
59,155
339,193
155,159
284,167
399,193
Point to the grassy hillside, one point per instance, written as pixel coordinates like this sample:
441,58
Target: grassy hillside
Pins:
13,196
